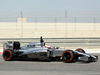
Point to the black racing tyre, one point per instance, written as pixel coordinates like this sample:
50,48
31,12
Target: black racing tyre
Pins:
8,55
80,50
68,56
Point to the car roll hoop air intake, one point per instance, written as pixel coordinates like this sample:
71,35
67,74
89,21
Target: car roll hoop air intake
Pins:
42,42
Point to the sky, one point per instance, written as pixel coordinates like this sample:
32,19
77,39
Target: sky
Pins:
49,5
83,10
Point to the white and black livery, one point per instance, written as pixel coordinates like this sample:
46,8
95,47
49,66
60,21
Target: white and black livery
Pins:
12,50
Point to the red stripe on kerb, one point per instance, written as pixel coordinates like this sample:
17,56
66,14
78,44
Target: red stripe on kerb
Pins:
1,52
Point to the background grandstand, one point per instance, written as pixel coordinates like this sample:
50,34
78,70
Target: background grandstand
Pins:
50,24
63,28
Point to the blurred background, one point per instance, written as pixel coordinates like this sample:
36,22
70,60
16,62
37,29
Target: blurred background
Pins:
54,24
63,23
68,29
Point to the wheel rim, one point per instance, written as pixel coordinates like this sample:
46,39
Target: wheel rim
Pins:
79,50
7,55
67,56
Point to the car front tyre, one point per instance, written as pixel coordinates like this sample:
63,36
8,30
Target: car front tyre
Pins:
68,56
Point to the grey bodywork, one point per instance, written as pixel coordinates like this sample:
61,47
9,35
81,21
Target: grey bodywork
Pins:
39,51
34,50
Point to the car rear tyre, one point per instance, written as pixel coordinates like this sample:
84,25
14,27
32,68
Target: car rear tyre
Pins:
80,50
68,56
8,55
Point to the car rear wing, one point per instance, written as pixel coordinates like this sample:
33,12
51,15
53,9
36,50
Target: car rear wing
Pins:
13,45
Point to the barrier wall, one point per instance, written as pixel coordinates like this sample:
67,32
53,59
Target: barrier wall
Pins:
88,43
22,28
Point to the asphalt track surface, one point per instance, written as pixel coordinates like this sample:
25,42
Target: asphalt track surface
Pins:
35,67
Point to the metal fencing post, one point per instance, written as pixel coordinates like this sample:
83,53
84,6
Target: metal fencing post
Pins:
75,23
21,24
55,23
35,23
94,23
16,23
66,23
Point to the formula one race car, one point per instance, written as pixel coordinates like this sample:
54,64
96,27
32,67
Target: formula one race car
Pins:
35,50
